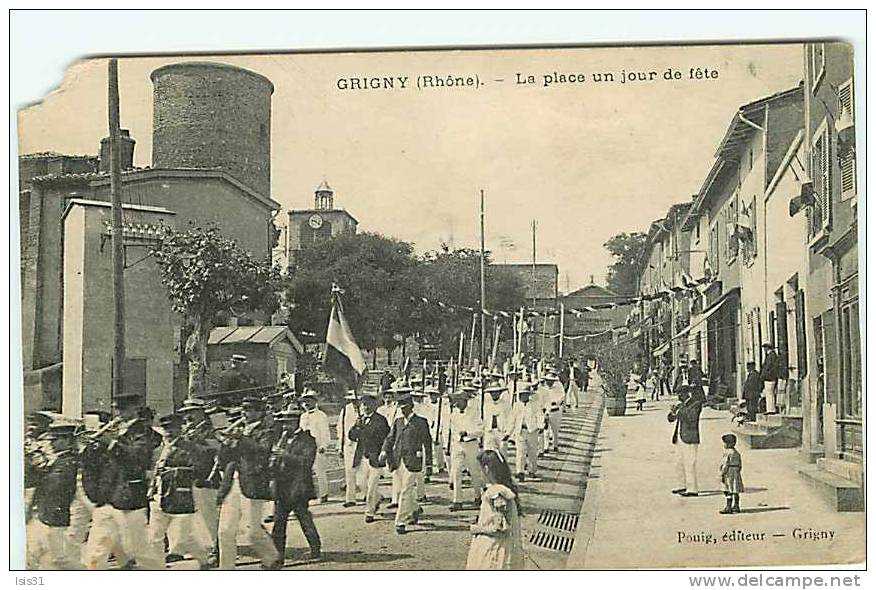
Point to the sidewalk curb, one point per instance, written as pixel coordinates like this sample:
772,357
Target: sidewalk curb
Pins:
587,515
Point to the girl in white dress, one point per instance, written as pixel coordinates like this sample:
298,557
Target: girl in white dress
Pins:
496,541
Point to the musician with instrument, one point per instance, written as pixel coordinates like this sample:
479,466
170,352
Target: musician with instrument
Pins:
130,449
55,471
171,495
292,459
199,432
99,476
246,488
368,433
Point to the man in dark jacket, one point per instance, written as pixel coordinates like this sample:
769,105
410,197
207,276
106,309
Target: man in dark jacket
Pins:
171,494
369,433
247,488
751,390
769,372
403,450
292,461
130,451
56,470
686,437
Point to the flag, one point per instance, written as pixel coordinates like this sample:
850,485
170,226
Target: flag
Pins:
343,359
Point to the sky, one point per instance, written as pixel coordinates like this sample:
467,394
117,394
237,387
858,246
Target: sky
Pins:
586,160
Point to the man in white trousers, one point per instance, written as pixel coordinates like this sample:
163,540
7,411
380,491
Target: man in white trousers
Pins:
465,430
527,423
686,438
246,489
369,432
354,475
497,419
407,451
171,495
316,423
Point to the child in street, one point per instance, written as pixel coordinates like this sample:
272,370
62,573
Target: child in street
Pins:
639,383
653,385
496,538
731,474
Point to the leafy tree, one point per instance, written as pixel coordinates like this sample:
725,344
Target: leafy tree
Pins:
206,275
625,249
453,278
378,279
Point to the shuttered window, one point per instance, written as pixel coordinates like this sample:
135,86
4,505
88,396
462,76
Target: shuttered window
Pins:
819,213
802,352
845,100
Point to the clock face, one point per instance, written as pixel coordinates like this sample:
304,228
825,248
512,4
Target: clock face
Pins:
315,221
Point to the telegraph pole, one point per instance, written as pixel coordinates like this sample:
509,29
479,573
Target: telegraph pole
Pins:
118,252
483,288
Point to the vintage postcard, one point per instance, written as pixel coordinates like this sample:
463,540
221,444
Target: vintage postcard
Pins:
521,308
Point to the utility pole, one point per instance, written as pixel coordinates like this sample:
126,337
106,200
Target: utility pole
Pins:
532,284
483,313
118,252
483,289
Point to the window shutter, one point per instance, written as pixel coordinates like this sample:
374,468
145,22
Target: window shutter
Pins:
802,352
845,99
825,178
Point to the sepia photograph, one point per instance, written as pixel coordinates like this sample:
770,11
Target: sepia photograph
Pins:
476,308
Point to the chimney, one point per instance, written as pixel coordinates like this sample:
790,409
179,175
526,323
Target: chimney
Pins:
126,144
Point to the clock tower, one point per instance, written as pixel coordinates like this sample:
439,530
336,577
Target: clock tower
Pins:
310,227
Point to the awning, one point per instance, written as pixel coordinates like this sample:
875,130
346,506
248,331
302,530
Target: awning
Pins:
661,349
706,314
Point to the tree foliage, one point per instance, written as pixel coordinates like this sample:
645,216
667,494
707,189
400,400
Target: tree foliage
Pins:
453,277
375,273
625,249
206,274
384,283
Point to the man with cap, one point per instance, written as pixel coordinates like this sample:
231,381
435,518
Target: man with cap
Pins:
421,403
49,546
527,423
369,433
171,494
35,448
234,378
497,419
292,459
248,485
403,450
205,490
465,428
316,423
354,476
769,373
130,450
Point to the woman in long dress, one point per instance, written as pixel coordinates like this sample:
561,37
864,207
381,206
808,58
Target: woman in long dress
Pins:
496,541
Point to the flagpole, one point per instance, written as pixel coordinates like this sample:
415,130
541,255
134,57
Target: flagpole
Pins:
562,326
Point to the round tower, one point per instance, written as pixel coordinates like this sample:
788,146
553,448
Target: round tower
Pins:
213,115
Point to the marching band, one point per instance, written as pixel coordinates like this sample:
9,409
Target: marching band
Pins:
206,479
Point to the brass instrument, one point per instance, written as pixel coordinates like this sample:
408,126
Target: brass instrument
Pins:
190,430
232,432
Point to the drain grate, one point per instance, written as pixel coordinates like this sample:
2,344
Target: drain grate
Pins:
552,541
564,521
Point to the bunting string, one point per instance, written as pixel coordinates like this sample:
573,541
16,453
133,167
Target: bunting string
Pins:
690,286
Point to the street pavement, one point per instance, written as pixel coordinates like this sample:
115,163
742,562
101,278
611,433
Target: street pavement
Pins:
631,519
440,540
